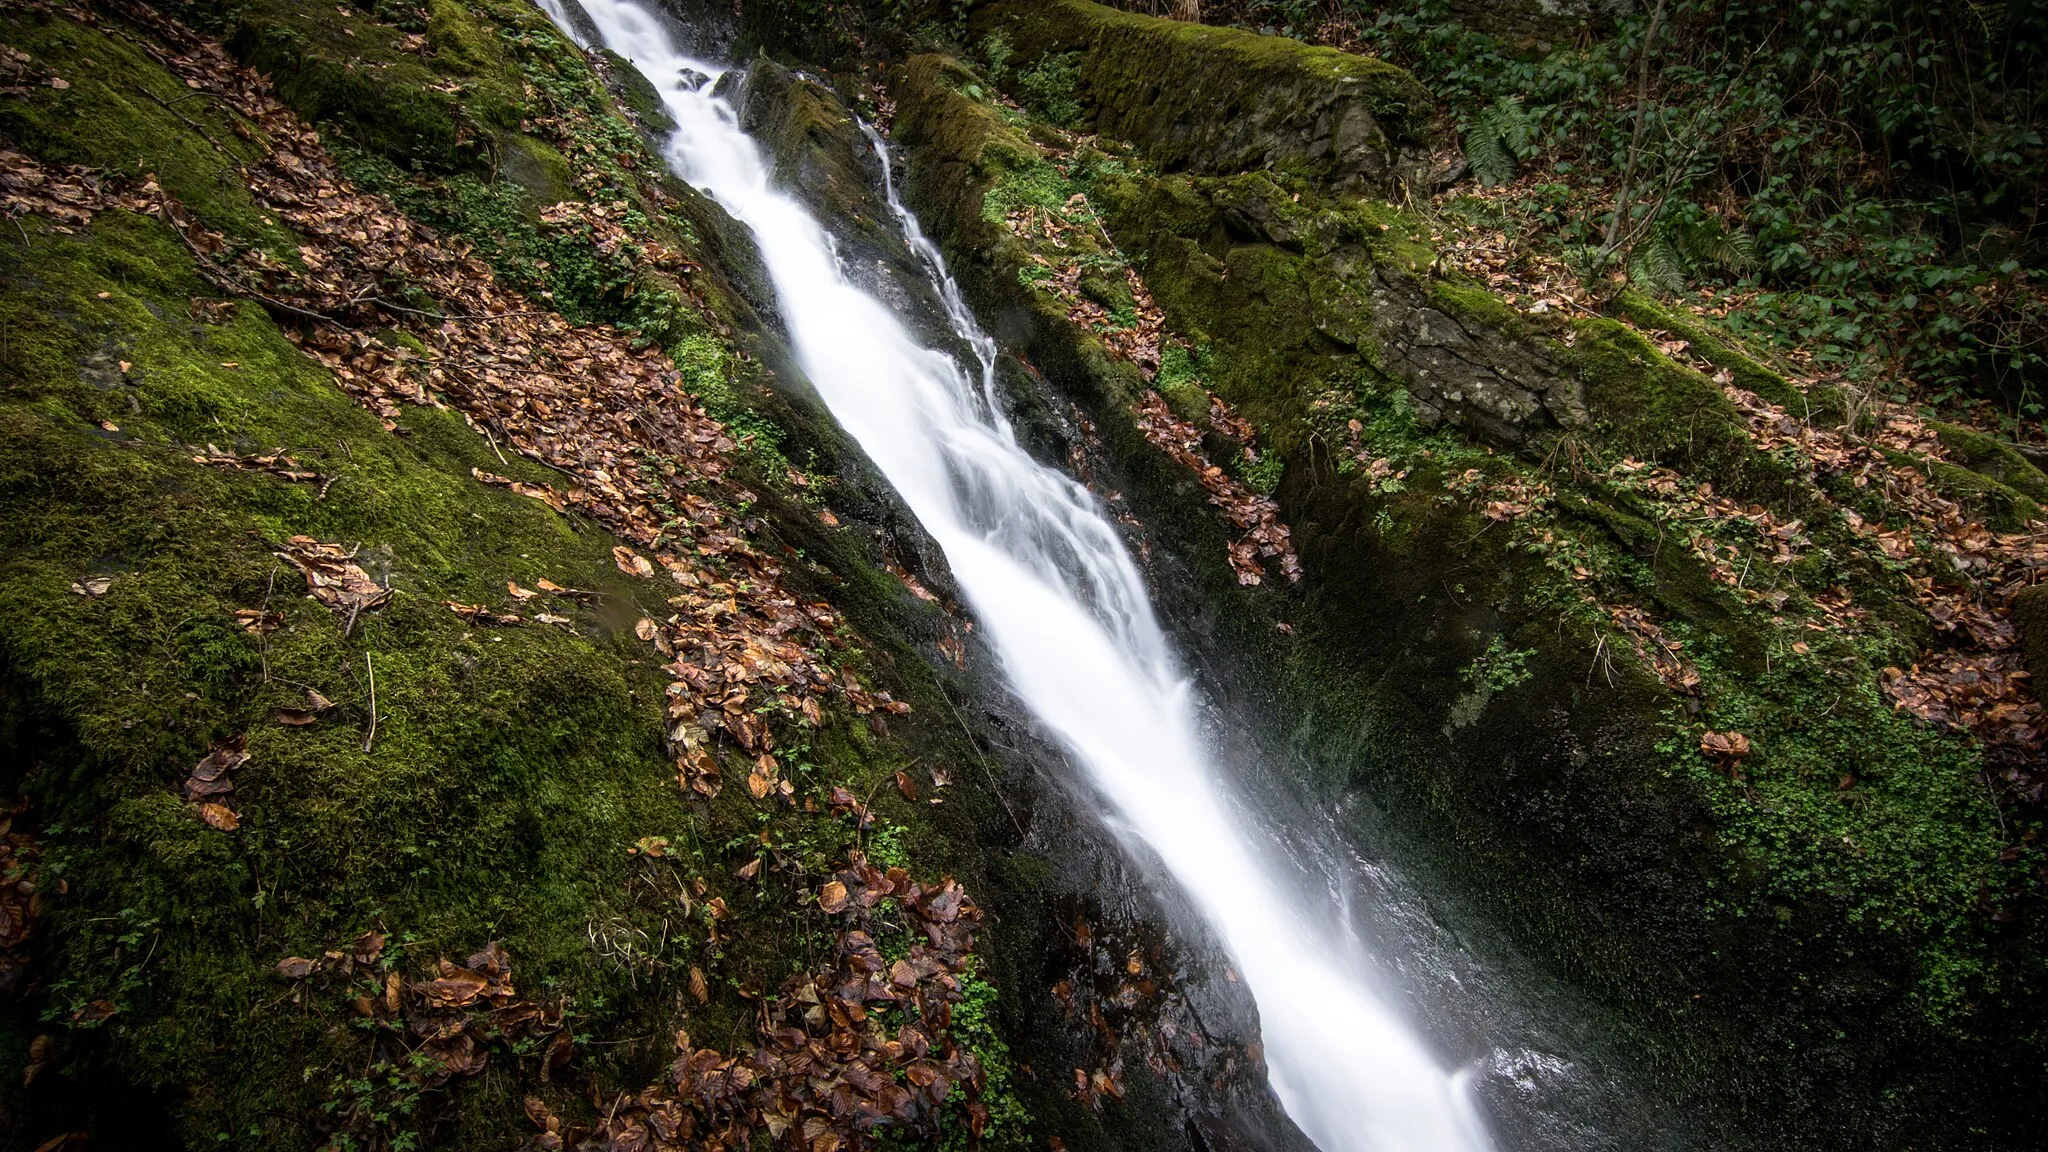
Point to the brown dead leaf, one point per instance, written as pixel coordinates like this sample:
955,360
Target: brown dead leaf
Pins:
1728,749
220,816
632,563
833,898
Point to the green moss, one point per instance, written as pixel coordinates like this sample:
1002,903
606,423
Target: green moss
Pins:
1999,506
638,93
124,113
1117,42
1721,352
1992,458
509,770
540,172
1649,407
459,42
1474,302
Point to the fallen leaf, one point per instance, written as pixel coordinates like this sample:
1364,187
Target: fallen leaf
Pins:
905,785
296,967
699,987
93,586
632,563
220,816
367,947
646,629
750,869
1729,749
832,898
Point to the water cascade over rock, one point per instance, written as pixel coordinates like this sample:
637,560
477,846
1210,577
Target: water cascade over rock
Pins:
1067,610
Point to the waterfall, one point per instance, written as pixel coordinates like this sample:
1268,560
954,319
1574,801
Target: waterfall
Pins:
1066,609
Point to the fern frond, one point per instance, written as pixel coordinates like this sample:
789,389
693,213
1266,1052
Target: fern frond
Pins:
1501,135
1736,251
1657,264
1514,125
1491,161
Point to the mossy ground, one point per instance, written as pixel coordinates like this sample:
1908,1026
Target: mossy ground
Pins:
517,775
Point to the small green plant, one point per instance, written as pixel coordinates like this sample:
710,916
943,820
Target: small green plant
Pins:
1500,136
1032,184
1498,668
1259,471
974,1026
1051,88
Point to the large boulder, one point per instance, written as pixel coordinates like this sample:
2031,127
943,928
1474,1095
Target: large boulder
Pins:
1204,99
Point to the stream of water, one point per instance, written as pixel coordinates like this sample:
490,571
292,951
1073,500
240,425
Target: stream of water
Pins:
1067,610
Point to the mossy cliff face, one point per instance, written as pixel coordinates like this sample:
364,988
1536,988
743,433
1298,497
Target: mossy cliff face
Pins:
1541,567
425,769
1223,100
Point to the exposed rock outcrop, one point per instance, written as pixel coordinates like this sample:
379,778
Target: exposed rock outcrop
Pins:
1208,99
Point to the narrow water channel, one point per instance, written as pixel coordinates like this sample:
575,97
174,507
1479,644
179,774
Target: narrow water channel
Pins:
1062,603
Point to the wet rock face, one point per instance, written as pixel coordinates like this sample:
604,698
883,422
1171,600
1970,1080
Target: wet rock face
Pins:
1203,99
1467,373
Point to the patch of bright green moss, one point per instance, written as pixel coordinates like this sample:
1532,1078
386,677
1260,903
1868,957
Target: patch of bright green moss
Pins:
509,770
125,113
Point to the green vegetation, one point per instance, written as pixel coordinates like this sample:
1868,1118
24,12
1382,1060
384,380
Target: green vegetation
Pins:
1859,175
1517,653
441,779
510,768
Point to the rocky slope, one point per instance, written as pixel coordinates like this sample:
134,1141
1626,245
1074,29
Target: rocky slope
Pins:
1690,690
1694,678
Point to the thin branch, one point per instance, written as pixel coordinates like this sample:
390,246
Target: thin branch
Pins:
1635,148
189,124
214,272
371,738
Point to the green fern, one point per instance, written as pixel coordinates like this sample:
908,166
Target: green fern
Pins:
1499,138
1707,244
1686,245
1657,263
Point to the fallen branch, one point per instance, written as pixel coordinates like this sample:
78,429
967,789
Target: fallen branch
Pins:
371,737
220,278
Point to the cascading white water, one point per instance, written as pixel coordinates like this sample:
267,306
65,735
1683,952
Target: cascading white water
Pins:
1067,610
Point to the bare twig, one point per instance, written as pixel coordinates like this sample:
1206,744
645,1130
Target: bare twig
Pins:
214,272
371,737
1635,147
975,747
188,123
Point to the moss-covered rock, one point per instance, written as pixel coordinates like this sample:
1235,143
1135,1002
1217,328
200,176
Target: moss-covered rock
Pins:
1994,459
1211,99
499,782
1769,941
